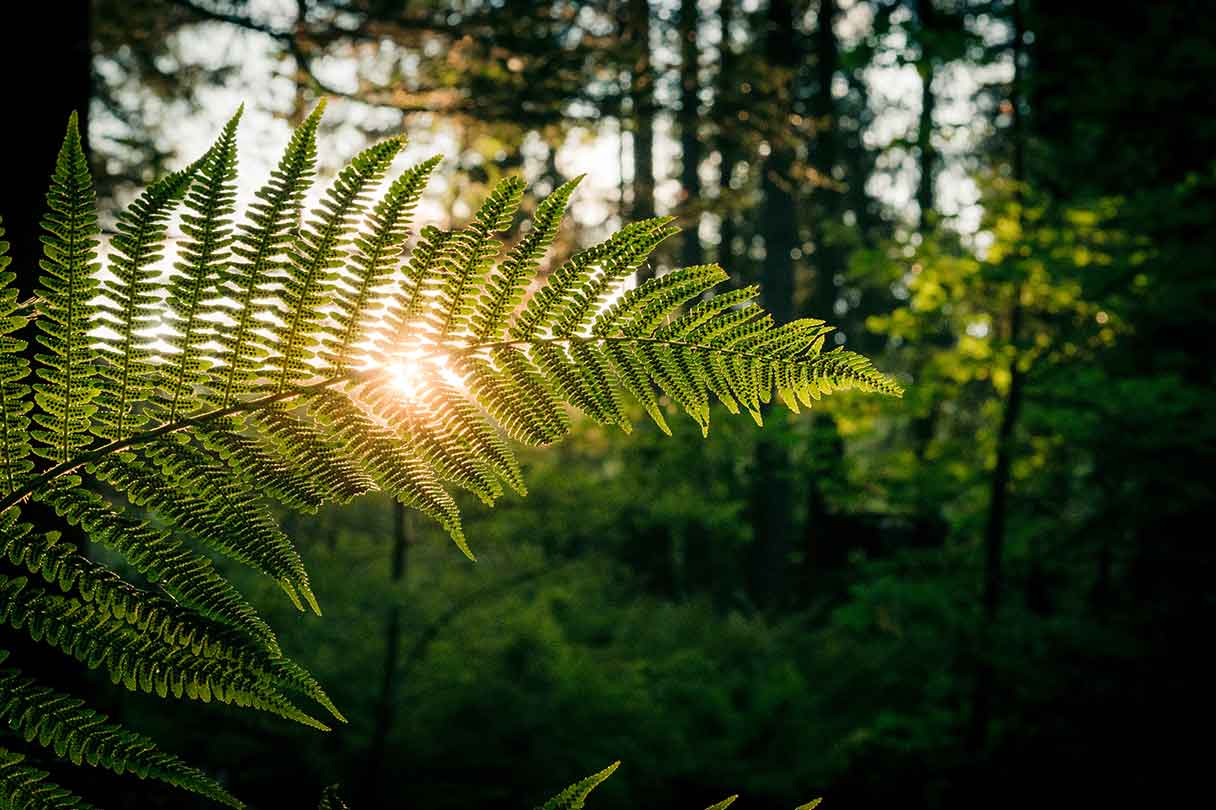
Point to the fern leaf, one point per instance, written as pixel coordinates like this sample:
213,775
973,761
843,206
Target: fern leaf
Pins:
261,250
133,660
308,452
404,325
62,723
24,786
152,614
129,304
575,796
259,466
505,287
374,260
629,252
575,290
185,488
404,476
725,803
318,251
15,402
159,557
468,256
207,224
65,395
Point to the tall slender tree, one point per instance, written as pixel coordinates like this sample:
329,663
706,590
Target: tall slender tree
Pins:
773,499
642,102
691,251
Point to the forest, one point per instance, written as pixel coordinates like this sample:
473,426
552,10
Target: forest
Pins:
990,589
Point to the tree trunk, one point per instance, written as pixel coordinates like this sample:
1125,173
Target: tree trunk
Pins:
691,252
824,152
641,93
403,537
772,505
927,163
726,114
998,499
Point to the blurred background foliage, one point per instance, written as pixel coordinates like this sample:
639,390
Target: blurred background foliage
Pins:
989,593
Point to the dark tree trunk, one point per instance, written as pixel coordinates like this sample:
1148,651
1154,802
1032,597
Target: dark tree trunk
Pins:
925,196
829,253
641,94
403,538
726,114
779,227
998,499
691,252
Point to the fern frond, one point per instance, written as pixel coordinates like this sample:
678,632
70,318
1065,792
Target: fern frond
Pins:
575,290
397,472
261,251
207,224
129,304
725,803
24,787
302,445
15,403
374,260
295,370
467,256
575,796
191,493
505,287
150,613
68,284
74,732
158,556
136,662
250,459
305,281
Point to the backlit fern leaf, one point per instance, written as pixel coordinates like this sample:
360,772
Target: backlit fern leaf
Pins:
372,264
308,276
575,796
130,305
311,364
134,660
207,224
15,403
261,251
65,395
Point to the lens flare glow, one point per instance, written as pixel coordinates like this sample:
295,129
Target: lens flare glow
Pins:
407,375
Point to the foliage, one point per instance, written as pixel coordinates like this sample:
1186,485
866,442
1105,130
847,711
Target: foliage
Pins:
292,359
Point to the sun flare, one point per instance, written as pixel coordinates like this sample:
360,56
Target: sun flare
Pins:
407,375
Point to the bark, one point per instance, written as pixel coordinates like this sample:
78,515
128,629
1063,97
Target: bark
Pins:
691,252
998,500
829,255
641,93
773,500
726,113
927,163
403,537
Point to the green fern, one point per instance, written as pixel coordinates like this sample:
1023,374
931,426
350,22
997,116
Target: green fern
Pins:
300,356
575,796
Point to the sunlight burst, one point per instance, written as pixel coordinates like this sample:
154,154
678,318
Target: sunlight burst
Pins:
407,375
